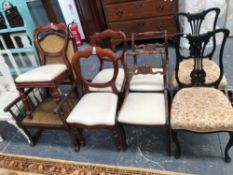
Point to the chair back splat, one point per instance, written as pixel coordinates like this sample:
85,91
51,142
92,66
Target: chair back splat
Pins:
103,55
197,50
195,21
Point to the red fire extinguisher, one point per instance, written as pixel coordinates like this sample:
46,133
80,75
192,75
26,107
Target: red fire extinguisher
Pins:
73,28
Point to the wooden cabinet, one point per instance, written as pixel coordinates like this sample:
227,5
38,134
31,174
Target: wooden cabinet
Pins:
140,15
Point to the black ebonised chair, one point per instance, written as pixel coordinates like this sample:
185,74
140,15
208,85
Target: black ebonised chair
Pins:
196,21
198,106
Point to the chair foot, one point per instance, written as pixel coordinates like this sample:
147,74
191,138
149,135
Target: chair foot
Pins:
117,138
77,138
229,145
123,137
176,141
168,141
34,139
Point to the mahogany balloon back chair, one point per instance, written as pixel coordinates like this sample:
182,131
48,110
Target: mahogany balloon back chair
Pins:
114,38
54,67
96,109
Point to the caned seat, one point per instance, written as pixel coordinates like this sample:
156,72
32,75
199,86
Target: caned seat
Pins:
97,110
199,106
143,109
211,68
115,38
201,109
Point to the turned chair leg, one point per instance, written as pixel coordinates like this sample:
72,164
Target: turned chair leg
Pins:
169,141
123,137
23,96
176,141
117,138
76,137
229,145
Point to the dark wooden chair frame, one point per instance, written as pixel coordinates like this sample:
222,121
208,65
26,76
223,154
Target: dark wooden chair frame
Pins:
197,47
195,20
104,55
115,38
52,85
149,49
62,113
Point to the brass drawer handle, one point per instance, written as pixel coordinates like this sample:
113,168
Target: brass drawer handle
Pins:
119,13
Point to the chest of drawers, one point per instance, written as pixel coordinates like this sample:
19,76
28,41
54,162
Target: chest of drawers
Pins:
140,15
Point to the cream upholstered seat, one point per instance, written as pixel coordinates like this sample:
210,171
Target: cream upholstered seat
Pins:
105,75
211,68
147,82
143,109
95,109
201,109
43,73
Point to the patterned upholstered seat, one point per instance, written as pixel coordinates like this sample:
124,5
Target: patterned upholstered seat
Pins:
202,110
211,68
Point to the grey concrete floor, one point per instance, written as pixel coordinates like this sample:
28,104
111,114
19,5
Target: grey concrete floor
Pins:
201,154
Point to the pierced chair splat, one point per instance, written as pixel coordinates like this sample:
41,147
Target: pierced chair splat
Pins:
53,71
198,106
96,109
146,101
197,23
114,38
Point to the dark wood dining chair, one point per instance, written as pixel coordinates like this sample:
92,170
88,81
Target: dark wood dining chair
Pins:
199,106
96,110
146,101
54,67
114,38
195,21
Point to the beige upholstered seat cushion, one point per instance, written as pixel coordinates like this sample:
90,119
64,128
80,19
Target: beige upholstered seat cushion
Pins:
211,68
95,109
42,74
143,109
106,75
147,82
201,109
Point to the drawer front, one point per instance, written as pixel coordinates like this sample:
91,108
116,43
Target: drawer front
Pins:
114,1
151,24
139,9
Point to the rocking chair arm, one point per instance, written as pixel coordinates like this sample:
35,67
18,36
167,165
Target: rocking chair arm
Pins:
15,101
59,107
